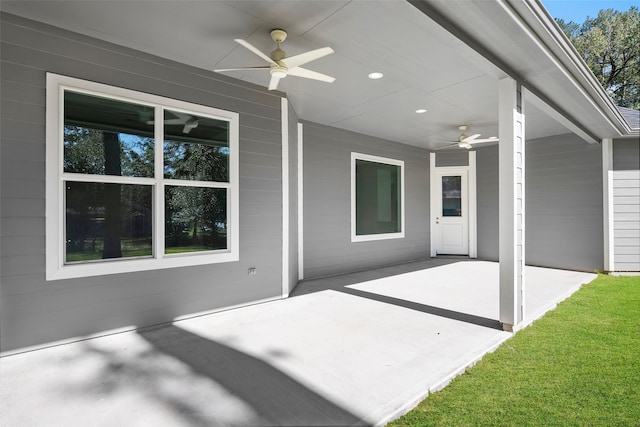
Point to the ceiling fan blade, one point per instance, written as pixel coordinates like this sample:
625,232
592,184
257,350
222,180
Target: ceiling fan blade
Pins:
470,138
484,141
303,58
264,67
273,83
255,50
303,72
173,122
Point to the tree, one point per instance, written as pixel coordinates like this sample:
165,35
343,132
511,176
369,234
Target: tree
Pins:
610,46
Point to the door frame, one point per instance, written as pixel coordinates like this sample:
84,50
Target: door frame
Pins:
472,203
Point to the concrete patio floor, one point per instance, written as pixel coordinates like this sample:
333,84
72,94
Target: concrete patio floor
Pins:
356,349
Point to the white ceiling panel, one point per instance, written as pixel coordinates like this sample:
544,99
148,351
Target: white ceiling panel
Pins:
401,107
193,32
294,17
478,95
424,65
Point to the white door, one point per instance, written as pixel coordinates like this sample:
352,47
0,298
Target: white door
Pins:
452,213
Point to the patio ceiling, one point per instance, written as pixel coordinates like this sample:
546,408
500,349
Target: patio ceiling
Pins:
424,66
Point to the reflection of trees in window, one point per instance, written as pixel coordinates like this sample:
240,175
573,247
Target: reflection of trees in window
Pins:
84,152
195,219
87,207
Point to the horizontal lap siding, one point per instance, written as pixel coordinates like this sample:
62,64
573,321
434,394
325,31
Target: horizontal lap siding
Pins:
564,203
327,203
34,311
487,202
626,154
626,218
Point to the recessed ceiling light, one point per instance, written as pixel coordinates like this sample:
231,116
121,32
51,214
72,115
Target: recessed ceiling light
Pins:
421,110
375,76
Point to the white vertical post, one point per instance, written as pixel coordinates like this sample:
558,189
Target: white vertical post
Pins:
432,201
285,197
300,202
607,204
511,176
473,207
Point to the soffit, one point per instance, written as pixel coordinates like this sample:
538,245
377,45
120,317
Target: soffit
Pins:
519,35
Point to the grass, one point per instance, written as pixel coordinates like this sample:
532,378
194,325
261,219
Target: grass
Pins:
577,366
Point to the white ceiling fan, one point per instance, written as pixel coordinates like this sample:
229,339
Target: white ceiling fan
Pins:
467,142
281,66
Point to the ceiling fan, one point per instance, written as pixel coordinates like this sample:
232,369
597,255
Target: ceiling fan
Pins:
467,142
280,65
188,121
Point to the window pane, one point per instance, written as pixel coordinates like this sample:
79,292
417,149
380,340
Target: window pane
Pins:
107,221
195,219
377,198
195,147
452,195
107,137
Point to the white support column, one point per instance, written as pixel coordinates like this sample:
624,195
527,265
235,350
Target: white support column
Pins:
300,202
511,175
473,207
607,204
285,197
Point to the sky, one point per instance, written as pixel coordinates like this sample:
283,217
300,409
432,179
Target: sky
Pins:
578,10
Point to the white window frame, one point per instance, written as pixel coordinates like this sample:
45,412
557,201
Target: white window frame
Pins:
382,236
56,269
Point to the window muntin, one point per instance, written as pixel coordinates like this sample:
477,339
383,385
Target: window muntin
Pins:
109,187
377,207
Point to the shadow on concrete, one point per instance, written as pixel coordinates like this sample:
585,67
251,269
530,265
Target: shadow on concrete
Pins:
436,311
341,284
339,281
275,398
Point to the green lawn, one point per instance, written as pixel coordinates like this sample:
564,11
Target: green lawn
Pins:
577,366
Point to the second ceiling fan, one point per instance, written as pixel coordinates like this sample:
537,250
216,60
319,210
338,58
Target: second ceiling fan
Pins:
467,142
281,65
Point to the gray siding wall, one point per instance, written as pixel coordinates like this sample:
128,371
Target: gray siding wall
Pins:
34,311
626,154
487,202
452,158
626,220
327,203
293,198
563,203
564,225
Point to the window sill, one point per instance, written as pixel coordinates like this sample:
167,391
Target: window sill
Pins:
373,237
72,271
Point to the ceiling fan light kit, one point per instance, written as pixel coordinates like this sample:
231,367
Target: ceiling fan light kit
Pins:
280,65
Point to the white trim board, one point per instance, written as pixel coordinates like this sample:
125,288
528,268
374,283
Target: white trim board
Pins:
607,205
300,202
284,104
